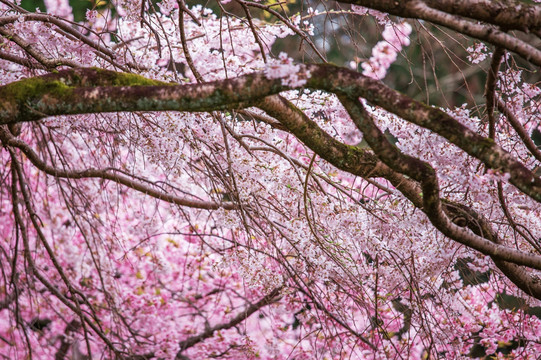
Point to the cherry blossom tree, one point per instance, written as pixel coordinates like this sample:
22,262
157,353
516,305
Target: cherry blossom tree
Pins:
172,186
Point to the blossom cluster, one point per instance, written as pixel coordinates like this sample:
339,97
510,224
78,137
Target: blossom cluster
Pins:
477,53
292,75
384,53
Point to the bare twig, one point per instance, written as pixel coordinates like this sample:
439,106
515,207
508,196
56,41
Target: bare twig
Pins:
270,298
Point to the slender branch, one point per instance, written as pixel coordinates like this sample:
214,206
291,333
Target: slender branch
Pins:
184,42
515,123
288,23
31,50
503,204
262,118
254,31
67,27
270,298
21,61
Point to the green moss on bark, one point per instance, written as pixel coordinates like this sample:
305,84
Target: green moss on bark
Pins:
27,89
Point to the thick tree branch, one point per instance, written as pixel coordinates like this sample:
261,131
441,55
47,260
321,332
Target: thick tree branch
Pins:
490,90
345,157
90,90
426,176
21,61
352,84
507,15
82,91
479,31
311,135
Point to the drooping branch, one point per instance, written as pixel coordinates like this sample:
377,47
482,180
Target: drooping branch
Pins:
68,29
62,24
522,133
109,174
30,49
17,177
268,8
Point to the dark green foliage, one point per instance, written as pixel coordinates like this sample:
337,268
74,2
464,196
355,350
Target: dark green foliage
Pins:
39,324
536,137
79,7
469,276
32,5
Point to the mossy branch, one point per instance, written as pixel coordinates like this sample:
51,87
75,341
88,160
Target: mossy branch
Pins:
91,90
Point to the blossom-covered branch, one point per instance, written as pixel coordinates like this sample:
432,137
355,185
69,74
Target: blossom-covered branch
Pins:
85,91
